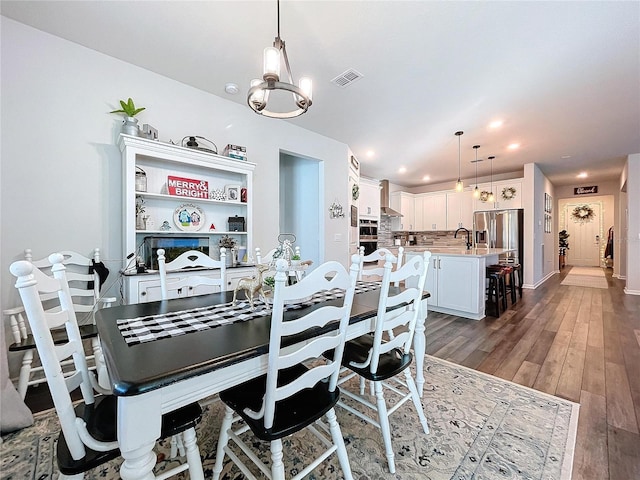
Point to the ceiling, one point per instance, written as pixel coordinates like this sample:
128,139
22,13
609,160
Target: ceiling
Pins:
564,77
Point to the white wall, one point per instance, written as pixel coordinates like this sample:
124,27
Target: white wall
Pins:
61,168
633,224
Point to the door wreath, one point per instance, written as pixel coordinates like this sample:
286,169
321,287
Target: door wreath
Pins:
582,214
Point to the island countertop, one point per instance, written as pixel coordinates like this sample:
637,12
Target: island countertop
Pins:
455,251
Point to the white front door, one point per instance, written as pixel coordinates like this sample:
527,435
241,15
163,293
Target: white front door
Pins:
584,240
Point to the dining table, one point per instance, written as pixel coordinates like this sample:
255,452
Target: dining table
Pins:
159,358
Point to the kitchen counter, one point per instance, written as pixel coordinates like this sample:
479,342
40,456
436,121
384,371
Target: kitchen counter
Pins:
456,278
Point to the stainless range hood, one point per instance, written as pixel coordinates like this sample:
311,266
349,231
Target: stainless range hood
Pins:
385,209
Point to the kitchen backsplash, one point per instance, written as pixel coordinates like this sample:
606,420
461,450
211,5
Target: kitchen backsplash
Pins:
429,238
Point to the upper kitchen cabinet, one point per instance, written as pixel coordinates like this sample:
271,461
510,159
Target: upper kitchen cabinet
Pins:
369,201
506,194
434,211
405,204
460,210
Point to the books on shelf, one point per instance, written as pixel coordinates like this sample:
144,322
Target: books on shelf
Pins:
235,151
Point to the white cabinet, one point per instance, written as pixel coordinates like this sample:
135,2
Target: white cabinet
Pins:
434,215
405,204
460,210
369,201
146,287
186,194
454,284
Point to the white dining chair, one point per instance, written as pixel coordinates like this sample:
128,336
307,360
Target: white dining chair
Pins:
188,260
88,435
381,360
84,277
375,272
296,391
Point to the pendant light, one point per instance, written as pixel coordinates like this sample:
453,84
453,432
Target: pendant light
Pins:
491,189
258,95
476,191
459,185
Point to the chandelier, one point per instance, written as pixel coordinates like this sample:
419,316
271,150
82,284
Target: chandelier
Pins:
258,96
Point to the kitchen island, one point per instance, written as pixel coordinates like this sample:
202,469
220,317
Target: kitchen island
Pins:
456,278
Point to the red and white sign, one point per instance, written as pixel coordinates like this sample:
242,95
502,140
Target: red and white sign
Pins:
187,187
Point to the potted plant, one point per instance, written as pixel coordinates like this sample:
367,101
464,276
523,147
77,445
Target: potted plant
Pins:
563,245
230,244
130,124
295,260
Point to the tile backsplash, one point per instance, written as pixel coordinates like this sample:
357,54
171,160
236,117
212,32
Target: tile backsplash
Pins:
427,239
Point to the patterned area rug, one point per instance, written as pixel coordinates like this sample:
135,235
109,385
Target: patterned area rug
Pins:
482,427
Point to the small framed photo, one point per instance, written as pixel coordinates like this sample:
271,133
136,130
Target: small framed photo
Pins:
232,192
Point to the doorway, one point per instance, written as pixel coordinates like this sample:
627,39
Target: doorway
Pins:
300,204
584,224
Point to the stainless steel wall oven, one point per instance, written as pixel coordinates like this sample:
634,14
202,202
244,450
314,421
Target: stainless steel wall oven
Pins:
369,235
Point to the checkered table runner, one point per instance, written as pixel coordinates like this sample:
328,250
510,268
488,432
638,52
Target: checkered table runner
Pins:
172,324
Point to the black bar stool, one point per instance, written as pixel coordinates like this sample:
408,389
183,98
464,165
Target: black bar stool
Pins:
496,291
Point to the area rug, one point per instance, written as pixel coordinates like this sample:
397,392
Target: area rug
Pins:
586,277
481,427
587,271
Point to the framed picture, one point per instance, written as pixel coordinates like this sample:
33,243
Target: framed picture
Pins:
232,192
354,216
547,223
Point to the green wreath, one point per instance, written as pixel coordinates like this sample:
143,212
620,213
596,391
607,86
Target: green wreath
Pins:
582,214
484,196
355,192
508,193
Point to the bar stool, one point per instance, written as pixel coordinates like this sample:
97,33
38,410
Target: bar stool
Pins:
496,291
514,277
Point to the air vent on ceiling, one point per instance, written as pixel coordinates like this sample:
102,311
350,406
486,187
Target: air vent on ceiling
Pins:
347,78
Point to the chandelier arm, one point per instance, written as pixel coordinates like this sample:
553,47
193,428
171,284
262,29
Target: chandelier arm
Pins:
261,109
286,62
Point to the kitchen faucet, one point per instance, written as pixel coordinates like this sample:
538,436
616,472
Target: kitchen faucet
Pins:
469,244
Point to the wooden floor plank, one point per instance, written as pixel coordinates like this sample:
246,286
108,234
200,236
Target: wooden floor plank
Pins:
526,374
552,367
620,410
591,455
593,375
624,454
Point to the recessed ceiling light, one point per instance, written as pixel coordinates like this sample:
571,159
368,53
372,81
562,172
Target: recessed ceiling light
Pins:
582,175
370,153
231,88
402,169
426,178
565,156
496,124
514,146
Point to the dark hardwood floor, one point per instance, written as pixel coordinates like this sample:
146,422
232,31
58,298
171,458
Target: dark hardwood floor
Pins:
578,343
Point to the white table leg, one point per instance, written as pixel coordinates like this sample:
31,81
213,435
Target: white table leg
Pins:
420,345
139,426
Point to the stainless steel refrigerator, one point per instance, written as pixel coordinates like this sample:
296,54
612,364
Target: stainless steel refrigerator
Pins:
500,229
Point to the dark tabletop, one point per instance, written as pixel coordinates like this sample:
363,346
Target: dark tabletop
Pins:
135,369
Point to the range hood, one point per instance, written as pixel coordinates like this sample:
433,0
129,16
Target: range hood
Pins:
385,209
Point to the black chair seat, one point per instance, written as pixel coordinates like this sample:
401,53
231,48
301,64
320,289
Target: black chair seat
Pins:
291,415
390,364
59,337
101,420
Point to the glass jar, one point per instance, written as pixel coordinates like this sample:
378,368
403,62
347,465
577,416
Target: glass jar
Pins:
141,180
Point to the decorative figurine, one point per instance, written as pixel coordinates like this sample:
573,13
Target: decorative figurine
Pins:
165,226
251,285
212,227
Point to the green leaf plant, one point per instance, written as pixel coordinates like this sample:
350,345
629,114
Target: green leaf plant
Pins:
128,108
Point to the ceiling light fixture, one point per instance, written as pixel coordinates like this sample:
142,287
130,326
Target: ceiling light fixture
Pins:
514,146
490,199
476,191
496,124
231,88
258,95
582,175
459,185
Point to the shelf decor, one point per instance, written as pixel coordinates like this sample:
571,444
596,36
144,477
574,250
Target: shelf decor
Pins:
188,217
508,193
187,187
582,214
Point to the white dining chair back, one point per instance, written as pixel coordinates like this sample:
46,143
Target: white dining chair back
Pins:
382,355
297,390
88,436
84,287
375,272
188,260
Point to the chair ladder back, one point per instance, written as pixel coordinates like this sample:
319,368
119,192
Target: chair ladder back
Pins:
190,259
29,280
376,256
327,276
